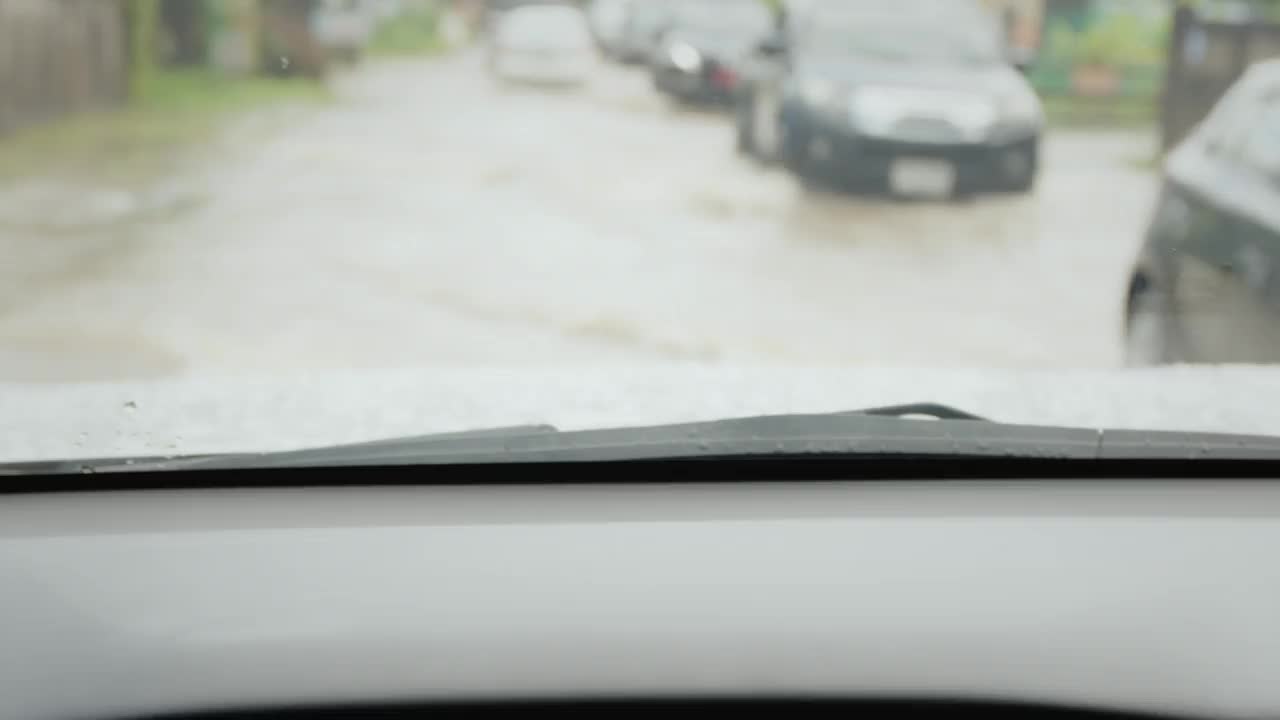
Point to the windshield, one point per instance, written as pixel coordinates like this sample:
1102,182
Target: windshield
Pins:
648,15
555,26
729,17
267,225
905,38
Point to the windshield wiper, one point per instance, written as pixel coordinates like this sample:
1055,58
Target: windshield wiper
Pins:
933,410
886,432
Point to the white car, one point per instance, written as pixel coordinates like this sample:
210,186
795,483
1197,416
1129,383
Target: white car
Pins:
344,27
544,43
608,21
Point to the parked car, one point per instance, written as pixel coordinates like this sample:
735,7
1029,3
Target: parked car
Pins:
701,53
1206,288
608,20
494,10
646,22
344,27
543,43
915,94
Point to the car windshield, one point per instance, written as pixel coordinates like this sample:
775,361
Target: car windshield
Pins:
649,14
725,17
266,225
551,25
911,38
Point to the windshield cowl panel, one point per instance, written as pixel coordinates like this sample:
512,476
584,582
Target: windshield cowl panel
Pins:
230,415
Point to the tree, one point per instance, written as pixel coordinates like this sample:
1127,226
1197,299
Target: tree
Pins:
143,18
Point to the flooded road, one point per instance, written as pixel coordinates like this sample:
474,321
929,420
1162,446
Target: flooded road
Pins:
431,218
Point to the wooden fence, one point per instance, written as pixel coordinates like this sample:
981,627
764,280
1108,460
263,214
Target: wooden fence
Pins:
1205,59
58,57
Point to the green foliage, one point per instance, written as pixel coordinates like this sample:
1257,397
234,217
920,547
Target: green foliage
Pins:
414,32
174,111
207,91
1064,111
1118,40
143,16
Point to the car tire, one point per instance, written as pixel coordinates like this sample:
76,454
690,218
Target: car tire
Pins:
794,155
1149,336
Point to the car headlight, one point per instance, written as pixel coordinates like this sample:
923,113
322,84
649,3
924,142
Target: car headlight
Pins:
685,57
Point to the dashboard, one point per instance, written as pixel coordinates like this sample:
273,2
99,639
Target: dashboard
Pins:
1129,596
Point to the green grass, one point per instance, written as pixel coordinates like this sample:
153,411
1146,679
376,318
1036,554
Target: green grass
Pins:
414,33
176,110
1101,113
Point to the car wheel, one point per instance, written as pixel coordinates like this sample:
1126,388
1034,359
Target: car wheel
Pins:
794,155
1149,339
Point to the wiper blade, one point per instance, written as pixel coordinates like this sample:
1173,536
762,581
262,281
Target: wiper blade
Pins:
933,410
887,432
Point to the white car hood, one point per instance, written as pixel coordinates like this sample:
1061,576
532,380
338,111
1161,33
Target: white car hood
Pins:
262,413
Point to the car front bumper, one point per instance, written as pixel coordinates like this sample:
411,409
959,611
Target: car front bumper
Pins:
825,147
556,68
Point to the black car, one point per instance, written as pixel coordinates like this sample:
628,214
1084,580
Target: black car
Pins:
1206,288
702,50
917,94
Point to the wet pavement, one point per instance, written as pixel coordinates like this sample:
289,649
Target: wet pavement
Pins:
430,218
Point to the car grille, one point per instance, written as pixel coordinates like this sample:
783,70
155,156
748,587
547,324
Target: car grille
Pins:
926,130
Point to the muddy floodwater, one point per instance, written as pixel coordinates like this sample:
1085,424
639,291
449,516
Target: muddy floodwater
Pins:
429,217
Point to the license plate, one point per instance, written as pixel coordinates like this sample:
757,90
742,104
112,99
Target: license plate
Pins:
922,177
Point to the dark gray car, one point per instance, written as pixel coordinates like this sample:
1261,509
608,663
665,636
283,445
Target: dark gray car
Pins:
1205,289
916,94
702,51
